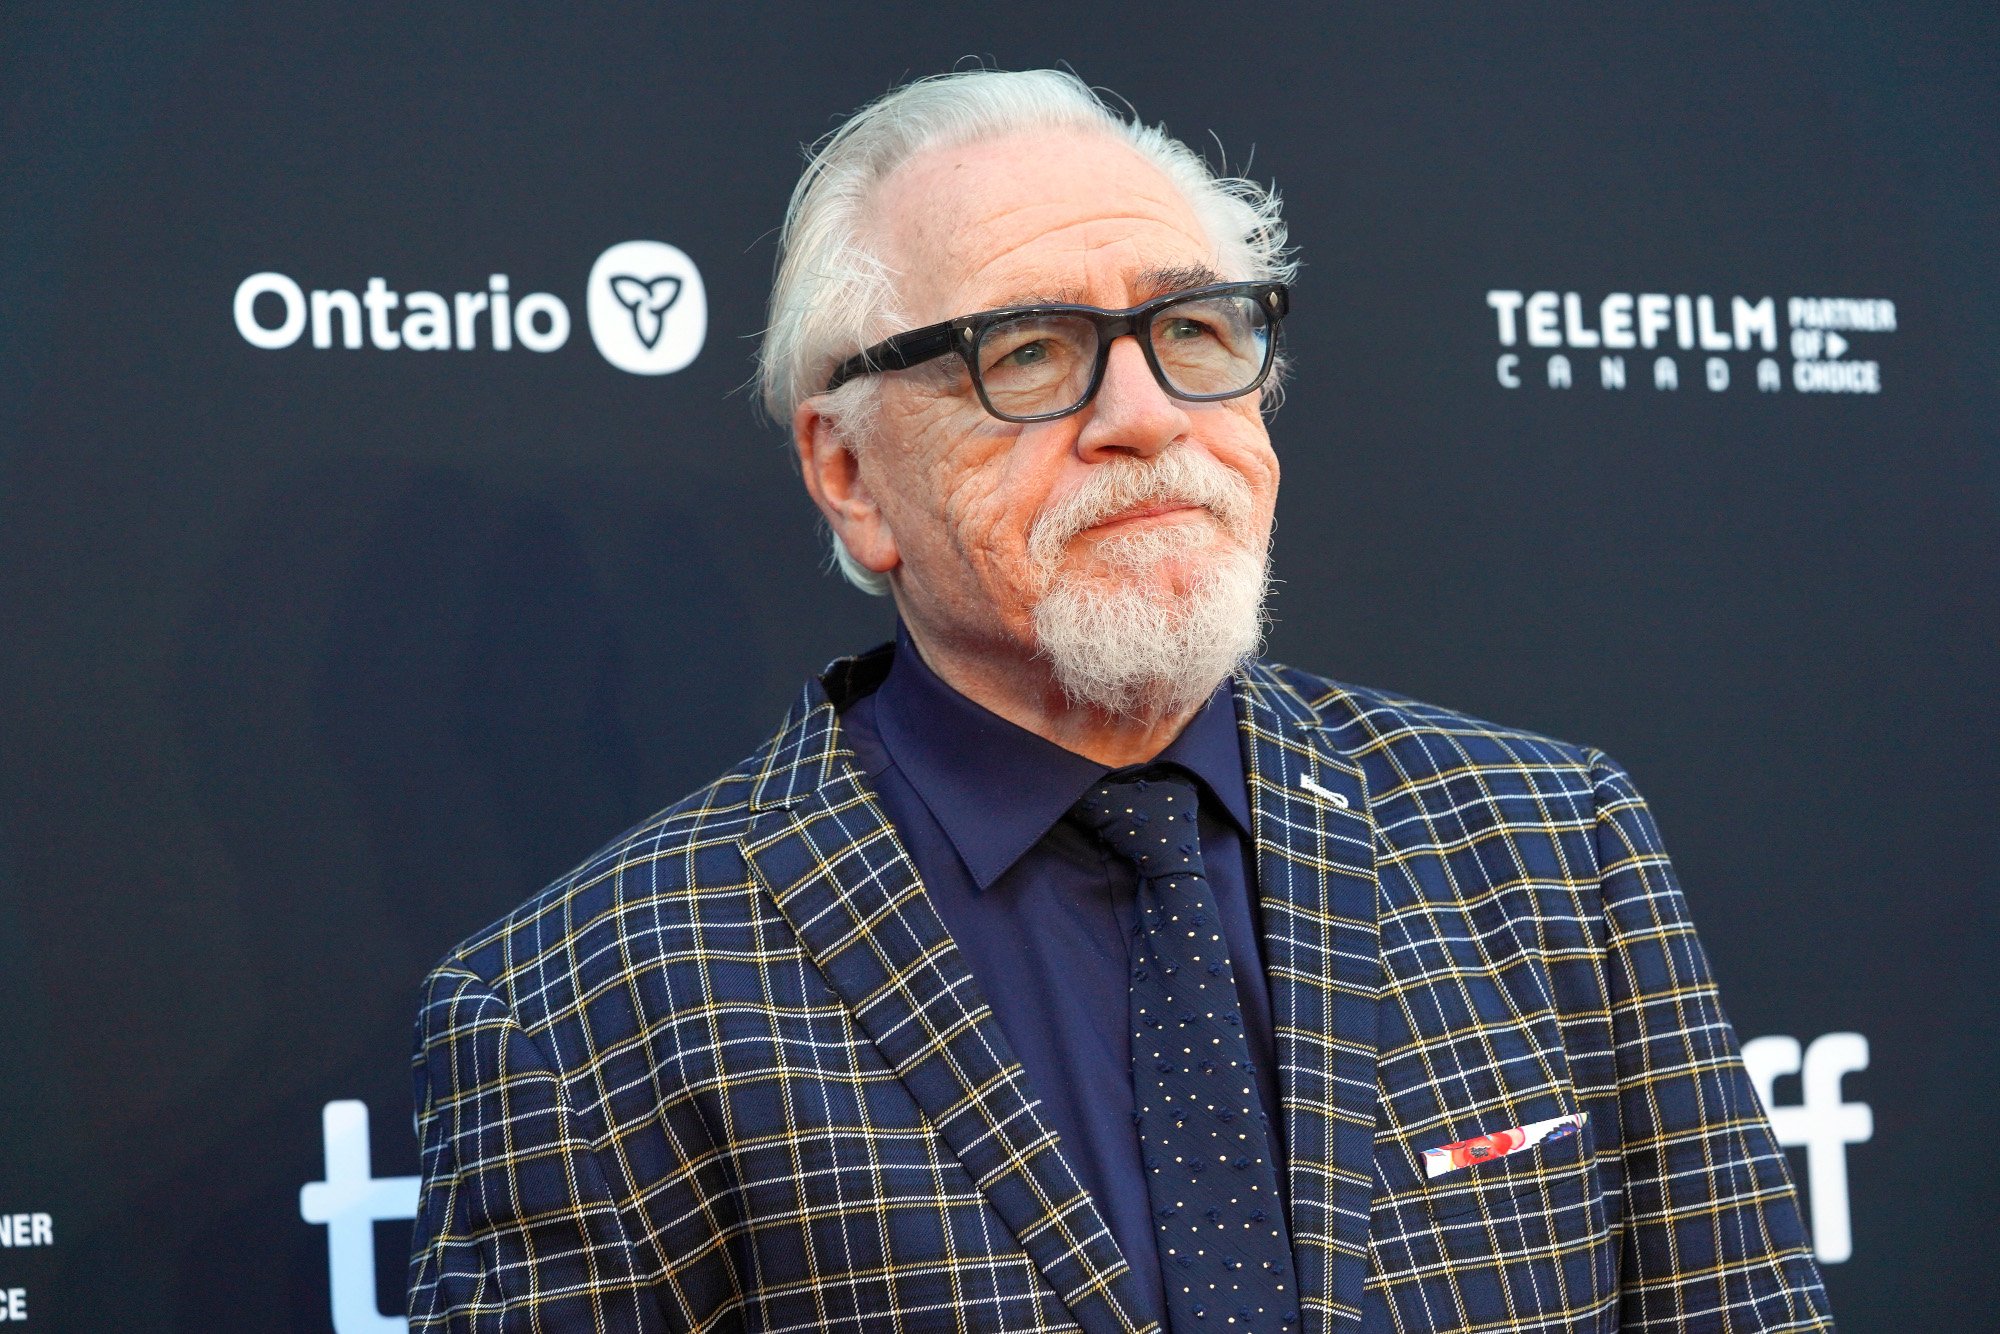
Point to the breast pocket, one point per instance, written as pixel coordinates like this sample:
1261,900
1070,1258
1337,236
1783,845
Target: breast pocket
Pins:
1500,1234
1501,1175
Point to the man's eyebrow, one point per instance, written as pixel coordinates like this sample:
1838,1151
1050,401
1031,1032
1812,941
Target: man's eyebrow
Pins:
1042,296
1176,278
1148,284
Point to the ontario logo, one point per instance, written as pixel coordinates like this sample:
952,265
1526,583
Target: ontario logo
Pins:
648,309
1666,340
645,302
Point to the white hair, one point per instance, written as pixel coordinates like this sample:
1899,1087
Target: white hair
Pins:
832,295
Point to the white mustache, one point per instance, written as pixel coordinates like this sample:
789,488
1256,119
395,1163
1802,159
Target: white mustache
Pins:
1178,476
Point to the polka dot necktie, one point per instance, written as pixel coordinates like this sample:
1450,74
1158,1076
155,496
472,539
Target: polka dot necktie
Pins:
1210,1171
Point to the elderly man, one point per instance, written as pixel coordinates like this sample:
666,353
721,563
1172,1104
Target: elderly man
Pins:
1063,965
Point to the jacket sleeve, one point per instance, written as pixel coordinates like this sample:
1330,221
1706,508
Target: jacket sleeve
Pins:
516,1228
1712,1236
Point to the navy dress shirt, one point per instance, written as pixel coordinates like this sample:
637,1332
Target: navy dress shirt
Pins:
1044,915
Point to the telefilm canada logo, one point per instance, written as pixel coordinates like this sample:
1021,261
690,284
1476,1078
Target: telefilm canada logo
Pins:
644,302
1668,341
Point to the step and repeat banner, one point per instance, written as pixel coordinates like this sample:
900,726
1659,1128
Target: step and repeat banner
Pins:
385,523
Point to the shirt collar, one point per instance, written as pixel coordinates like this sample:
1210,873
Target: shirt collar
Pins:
996,789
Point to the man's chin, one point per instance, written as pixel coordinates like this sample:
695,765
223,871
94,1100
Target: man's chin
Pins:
1152,641
1159,573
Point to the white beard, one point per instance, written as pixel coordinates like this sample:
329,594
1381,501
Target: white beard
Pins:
1124,644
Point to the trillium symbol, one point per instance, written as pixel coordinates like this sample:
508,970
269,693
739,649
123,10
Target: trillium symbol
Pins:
648,307
648,303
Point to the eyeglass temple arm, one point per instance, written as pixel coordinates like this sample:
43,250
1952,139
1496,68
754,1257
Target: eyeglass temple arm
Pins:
895,354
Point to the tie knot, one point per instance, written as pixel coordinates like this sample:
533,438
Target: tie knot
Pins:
1148,818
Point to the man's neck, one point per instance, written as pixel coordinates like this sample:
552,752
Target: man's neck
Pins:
1026,694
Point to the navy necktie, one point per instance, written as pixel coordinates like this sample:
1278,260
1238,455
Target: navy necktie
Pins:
1210,1171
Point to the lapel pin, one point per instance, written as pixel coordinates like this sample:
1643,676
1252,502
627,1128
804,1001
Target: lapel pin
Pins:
1338,799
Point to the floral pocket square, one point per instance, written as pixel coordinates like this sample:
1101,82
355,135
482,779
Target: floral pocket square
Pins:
1486,1148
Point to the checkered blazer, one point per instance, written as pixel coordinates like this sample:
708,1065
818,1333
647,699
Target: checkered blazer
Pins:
733,1074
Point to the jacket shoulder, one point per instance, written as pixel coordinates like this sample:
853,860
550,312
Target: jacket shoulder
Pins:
1370,724
653,870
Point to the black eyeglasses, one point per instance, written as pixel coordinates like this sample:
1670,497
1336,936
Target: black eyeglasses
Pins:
1037,363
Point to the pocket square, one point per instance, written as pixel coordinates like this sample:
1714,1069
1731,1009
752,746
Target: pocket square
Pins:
1486,1148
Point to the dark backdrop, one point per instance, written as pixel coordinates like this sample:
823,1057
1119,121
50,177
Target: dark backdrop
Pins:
314,660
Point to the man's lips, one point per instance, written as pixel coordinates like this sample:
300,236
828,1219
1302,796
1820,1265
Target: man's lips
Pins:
1164,509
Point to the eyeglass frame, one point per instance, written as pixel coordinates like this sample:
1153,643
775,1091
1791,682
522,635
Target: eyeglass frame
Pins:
963,335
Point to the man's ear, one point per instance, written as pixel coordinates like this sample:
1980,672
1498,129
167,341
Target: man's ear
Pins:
831,466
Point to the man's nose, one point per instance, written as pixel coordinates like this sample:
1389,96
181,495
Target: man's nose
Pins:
1131,414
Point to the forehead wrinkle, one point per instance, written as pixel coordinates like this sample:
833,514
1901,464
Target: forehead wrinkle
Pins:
1167,202
1072,292
1044,234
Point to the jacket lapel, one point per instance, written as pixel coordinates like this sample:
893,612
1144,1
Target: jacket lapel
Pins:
1316,878
827,854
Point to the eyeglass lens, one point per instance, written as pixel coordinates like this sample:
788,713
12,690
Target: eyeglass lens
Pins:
1205,347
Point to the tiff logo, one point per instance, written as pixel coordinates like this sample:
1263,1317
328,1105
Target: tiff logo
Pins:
350,1202
1819,1121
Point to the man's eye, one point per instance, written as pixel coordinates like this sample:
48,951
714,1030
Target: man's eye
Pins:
1027,354
1180,330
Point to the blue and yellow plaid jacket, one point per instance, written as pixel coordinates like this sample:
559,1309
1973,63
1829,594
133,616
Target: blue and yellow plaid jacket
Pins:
733,1074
